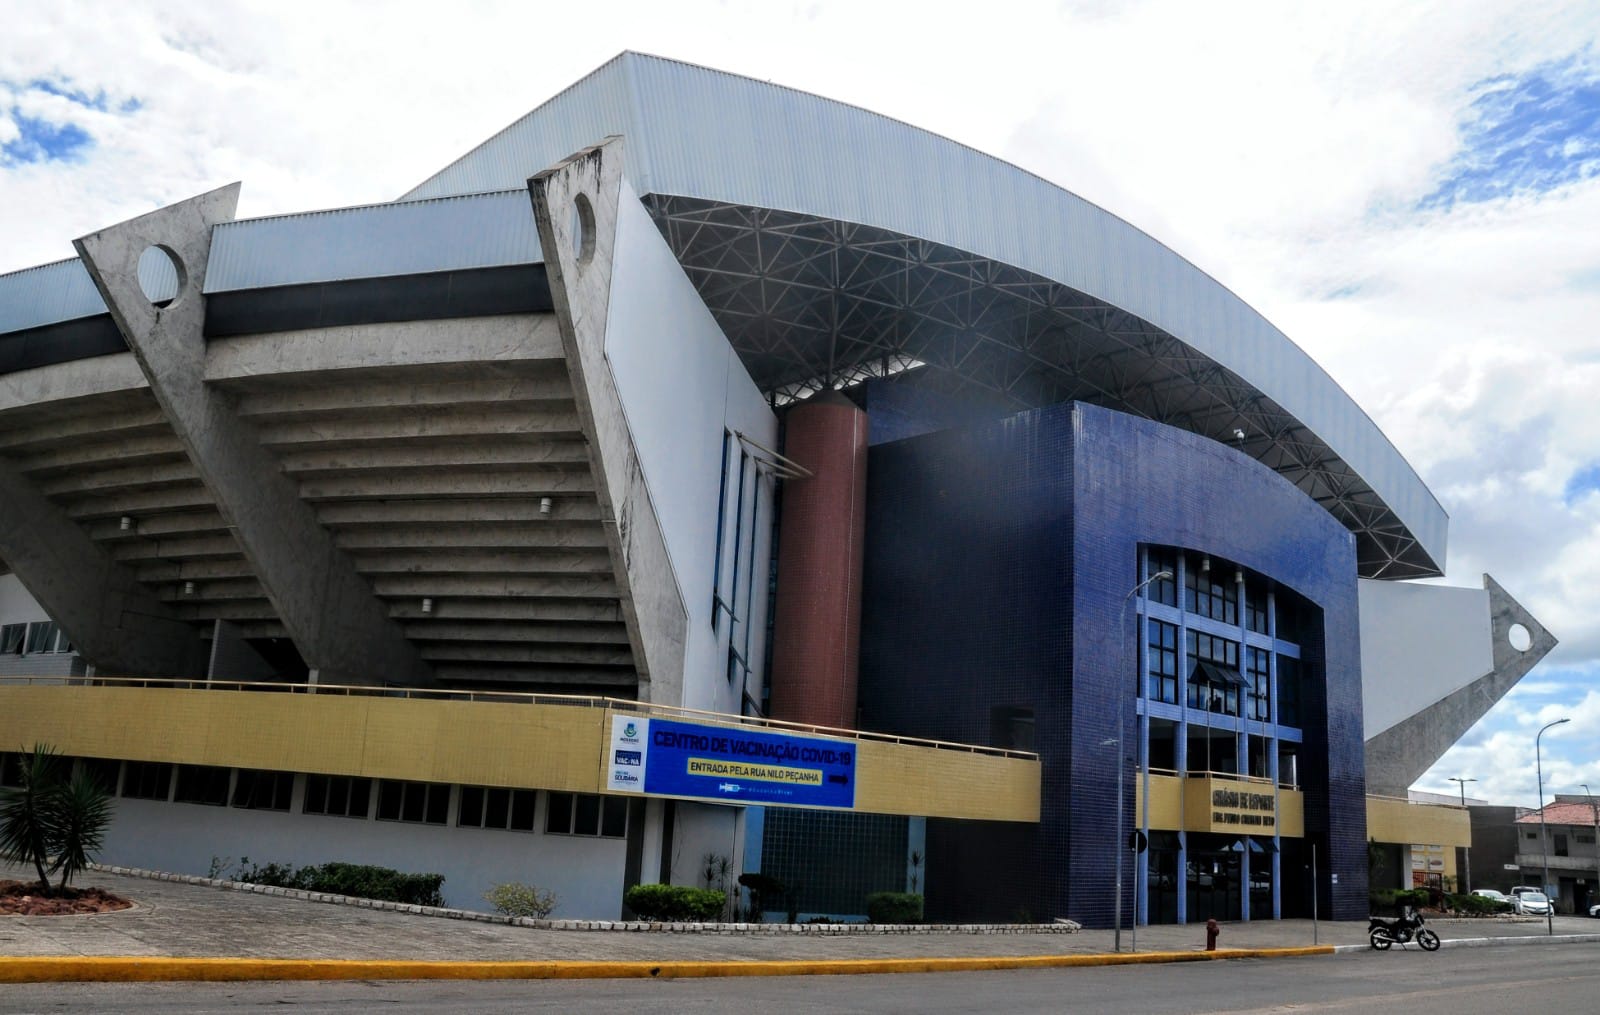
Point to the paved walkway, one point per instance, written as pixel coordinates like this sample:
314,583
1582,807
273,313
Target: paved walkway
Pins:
182,920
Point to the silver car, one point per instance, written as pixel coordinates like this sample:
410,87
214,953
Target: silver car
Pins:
1532,904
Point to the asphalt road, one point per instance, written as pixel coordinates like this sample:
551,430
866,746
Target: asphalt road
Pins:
1461,981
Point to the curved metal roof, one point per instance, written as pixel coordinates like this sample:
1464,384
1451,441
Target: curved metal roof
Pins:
834,243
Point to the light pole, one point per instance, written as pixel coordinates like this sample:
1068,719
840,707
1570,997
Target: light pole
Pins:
1466,887
1596,812
1544,840
1121,742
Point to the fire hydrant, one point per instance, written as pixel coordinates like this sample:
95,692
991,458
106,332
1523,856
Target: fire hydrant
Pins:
1212,930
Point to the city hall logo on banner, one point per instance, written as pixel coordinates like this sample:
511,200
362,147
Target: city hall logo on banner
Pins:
630,733
624,778
630,758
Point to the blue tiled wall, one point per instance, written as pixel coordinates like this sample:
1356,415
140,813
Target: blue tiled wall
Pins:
997,561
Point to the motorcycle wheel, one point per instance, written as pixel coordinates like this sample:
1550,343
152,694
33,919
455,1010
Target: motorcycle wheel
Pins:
1380,939
1428,940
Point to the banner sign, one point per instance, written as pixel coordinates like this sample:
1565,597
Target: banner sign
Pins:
669,757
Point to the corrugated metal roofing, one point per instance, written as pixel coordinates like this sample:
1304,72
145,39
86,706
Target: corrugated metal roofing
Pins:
700,133
374,241
63,291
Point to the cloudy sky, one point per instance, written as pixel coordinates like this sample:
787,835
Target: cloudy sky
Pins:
1409,190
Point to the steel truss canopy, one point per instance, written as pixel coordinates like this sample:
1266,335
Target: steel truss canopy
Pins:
835,245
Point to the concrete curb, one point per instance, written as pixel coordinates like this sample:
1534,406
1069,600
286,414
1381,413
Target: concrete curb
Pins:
121,969
1492,942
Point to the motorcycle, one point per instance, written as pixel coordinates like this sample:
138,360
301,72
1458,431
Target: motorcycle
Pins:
1407,927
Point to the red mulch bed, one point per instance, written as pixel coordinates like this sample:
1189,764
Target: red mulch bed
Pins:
23,898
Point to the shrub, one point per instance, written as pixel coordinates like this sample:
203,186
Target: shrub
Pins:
362,881
894,907
1477,905
517,899
674,903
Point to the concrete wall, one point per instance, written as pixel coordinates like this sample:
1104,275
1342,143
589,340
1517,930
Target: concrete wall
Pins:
1418,644
16,605
682,388
585,872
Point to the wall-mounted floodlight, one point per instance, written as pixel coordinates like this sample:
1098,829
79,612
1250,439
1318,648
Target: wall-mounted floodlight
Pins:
125,523
545,504
188,588
427,605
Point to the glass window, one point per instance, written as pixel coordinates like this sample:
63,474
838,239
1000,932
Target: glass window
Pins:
1164,591
1011,728
1255,608
587,814
10,769
1259,678
146,780
1162,657
12,637
496,807
1206,592
202,784
103,771
262,791
1208,690
340,795
41,637
1288,691
419,802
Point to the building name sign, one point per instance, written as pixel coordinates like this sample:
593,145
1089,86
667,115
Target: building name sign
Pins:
1238,807
669,757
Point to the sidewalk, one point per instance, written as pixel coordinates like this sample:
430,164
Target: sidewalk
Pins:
177,920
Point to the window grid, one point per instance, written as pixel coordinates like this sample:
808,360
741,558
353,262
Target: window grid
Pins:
1258,672
1162,652
1204,695
257,790
424,803
496,807
587,814
1210,597
147,780
337,795
202,784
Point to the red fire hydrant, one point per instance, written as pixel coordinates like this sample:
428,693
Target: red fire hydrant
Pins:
1212,930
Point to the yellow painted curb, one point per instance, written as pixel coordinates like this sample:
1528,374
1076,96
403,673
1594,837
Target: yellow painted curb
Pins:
132,969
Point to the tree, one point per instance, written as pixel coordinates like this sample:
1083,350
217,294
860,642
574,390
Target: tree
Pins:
54,820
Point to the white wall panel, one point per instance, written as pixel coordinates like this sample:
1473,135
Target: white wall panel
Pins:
1419,643
682,386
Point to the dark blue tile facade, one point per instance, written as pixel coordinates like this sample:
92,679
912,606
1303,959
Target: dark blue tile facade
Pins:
998,558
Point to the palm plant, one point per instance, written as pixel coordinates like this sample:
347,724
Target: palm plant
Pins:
53,820
83,810
27,812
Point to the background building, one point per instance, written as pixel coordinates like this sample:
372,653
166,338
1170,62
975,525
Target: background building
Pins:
570,429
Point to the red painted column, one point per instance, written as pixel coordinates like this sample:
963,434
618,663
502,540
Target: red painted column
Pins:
817,619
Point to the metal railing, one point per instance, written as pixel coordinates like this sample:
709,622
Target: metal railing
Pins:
517,697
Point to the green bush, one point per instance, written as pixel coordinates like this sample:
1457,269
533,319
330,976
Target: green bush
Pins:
517,899
361,881
55,819
894,907
674,903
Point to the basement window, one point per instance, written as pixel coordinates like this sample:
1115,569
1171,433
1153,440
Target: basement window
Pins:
420,802
263,791
497,807
587,814
147,780
340,795
202,784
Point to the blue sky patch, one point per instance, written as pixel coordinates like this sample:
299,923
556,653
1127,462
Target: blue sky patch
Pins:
1526,133
42,141
1585,481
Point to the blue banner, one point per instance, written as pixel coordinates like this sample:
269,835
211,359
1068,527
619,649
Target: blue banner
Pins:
748,766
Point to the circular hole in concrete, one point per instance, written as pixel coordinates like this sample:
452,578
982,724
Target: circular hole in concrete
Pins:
161,275
582,229
1520,638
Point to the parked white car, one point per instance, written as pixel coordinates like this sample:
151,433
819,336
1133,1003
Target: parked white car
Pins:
1532,904
1490,893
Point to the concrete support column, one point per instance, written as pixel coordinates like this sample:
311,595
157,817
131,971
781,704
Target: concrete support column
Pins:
817,621
116,623
340,627
575,210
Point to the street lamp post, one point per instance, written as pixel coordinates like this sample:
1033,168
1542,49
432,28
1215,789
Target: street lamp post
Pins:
1596,812
1466,887
1544,839
1122,741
